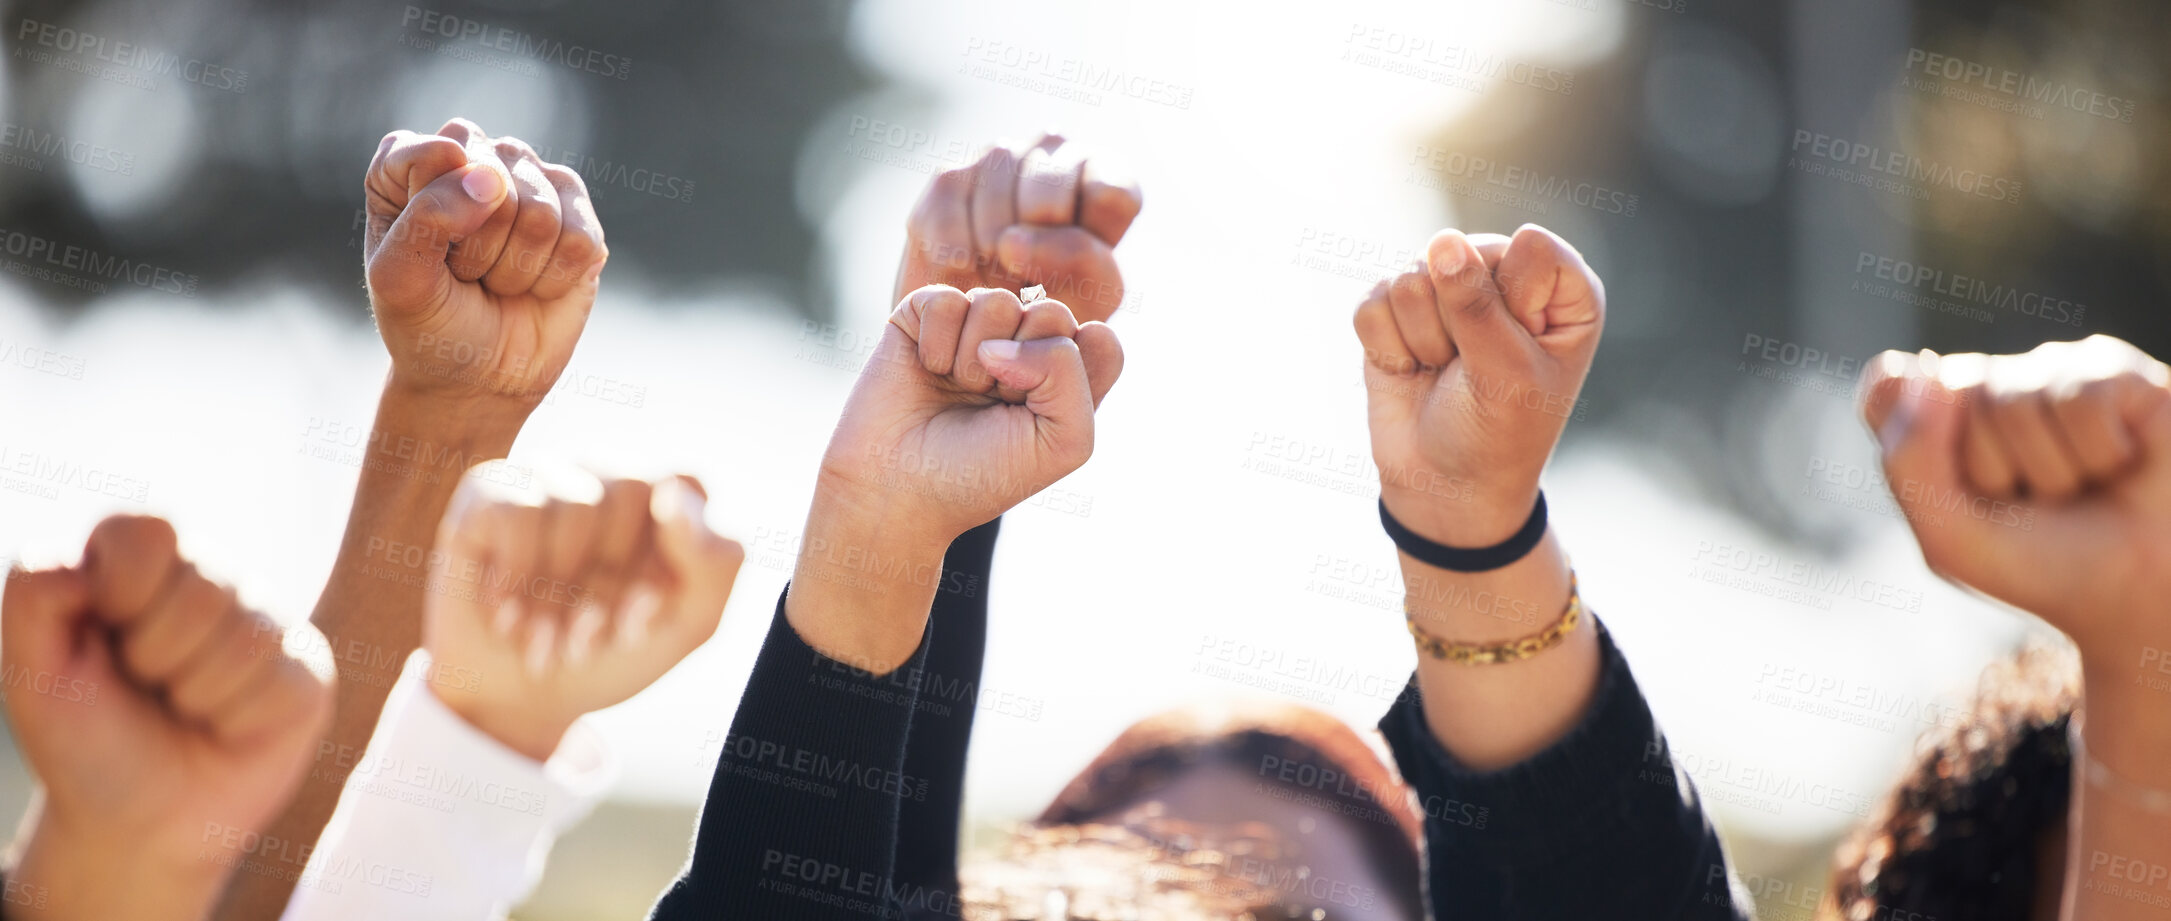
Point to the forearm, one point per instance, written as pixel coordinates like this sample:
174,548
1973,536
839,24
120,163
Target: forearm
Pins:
1492,716
865,578
371,610
2118,862
66,874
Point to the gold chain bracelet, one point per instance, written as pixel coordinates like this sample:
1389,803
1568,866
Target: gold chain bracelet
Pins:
1510,651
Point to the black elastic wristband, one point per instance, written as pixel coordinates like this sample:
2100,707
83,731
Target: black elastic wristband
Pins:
1457,559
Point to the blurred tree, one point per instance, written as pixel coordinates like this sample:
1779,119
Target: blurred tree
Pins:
237,130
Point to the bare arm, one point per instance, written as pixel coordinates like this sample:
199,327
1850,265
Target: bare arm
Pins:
2118,861
2044,480
482,264
1473,362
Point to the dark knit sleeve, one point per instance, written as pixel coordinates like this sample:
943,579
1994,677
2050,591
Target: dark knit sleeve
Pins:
949,696
1599,825
801,816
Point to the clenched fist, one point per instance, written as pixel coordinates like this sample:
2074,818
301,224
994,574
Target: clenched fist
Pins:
1472,366
166,724
970,404
482,262
2041,479
1043,215
563,604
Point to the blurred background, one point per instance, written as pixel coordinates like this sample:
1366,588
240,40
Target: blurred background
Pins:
1773,192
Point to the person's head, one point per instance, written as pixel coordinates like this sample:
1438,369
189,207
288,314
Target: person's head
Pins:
1975,828
1270,811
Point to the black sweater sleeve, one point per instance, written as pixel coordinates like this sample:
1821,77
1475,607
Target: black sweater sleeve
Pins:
1599,825
801,817
949,695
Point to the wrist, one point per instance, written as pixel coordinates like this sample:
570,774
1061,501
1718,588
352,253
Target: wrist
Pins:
2126,721
865,578
70,870
413,419
1458,513
854,516
517,725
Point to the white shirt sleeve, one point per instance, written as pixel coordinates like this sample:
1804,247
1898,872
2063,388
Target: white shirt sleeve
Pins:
441,822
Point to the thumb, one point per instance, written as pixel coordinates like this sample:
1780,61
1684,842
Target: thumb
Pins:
1919,436
1485,334
1884,379
1051,373
408,269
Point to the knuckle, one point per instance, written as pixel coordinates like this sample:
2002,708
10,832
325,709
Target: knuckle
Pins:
138,539
1064,253
578,248
1410,286
535,237
197,597
2096,393
1114,200
952,180
996,302
2008,407
992,160
536,228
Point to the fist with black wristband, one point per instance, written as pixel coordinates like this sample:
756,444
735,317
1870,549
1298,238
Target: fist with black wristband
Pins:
1472,365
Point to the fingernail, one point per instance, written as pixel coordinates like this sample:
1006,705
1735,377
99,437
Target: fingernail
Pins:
673,501
1902,419
483,184
1447,261
998,351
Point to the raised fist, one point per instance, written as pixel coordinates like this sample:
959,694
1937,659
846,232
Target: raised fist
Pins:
1472,366
1036,215
482,262
971,404
165,722
2041,479
547,607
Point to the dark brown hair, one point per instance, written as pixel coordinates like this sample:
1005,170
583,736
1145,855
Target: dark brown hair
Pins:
1963,833
1089,860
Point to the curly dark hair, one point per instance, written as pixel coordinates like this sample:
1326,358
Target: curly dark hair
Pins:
1963,834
